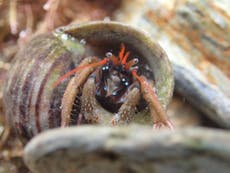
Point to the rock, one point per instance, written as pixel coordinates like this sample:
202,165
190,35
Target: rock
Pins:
202,95
138,149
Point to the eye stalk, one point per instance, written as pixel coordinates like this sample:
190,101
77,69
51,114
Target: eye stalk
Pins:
131,64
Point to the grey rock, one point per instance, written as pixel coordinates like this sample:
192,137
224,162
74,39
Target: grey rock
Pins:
133,149
208,99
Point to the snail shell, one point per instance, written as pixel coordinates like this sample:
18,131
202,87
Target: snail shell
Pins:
33,105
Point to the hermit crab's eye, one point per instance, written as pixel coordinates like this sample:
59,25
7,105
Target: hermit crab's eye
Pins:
135,60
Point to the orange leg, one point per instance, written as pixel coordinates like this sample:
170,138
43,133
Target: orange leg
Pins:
90,65
122,51
74,87
161,118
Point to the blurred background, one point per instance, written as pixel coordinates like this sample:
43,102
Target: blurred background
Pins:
195,35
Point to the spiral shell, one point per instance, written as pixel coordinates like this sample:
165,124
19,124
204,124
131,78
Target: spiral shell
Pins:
33,105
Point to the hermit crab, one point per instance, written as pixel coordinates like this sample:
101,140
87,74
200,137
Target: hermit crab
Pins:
93,73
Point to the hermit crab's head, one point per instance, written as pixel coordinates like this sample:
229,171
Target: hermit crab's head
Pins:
115,79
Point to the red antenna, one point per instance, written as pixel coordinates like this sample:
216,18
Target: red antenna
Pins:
102,62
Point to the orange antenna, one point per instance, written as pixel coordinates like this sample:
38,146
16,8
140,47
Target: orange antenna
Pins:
125,58
59,80
114,60
122,51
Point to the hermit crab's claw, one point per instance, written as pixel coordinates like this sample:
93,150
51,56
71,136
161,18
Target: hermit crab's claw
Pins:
158,114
